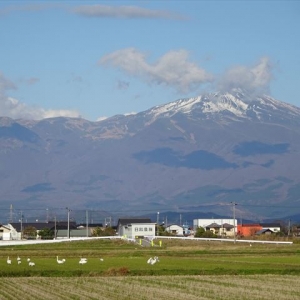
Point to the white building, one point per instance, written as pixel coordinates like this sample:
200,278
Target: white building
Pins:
133,228
175,229
5,233
12,233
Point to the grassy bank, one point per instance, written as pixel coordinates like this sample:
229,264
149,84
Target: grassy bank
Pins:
176,257
186,270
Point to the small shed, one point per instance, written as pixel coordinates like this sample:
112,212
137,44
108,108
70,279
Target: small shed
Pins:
175,230
5,233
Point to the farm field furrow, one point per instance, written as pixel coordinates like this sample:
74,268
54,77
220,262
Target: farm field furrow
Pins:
222,287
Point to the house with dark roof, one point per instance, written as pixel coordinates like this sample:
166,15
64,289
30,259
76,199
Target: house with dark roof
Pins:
223,230
133,228
214,228
274,227
226,230
16,228
264,231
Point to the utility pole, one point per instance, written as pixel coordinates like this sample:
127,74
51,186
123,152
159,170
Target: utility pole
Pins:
55,227
11,214
157,222
107,221
21,223
68,233
87,224
234,233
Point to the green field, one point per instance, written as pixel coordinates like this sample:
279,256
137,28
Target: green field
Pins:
186,270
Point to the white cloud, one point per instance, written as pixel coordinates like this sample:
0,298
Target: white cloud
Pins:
97,11
30,81
128,12
122,85
76,78
5,84
253,79
172,69
13,108
34,7
52,113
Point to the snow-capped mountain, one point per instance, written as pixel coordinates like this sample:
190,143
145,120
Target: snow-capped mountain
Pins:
196,154
236,104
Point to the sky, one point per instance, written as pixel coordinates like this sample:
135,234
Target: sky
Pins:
97,59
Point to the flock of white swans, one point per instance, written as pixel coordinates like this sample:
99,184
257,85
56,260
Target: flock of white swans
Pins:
19,261
82,261
59,261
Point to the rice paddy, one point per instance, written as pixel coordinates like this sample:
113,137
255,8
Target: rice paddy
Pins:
119,270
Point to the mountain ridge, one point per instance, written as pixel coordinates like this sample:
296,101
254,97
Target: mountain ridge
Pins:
187,154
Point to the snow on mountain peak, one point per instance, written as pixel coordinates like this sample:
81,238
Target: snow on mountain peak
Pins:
208,103
237,103
222,102
169,109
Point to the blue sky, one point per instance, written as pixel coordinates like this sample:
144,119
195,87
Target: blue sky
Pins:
96,59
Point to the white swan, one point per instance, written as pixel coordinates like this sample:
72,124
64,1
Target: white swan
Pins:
8,261
31,264
83,261
60,261
153,260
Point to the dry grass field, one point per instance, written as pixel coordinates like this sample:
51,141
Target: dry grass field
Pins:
206,287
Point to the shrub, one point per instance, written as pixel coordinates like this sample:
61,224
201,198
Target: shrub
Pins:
123,271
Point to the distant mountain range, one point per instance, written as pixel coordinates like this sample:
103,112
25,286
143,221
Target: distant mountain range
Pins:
198,154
